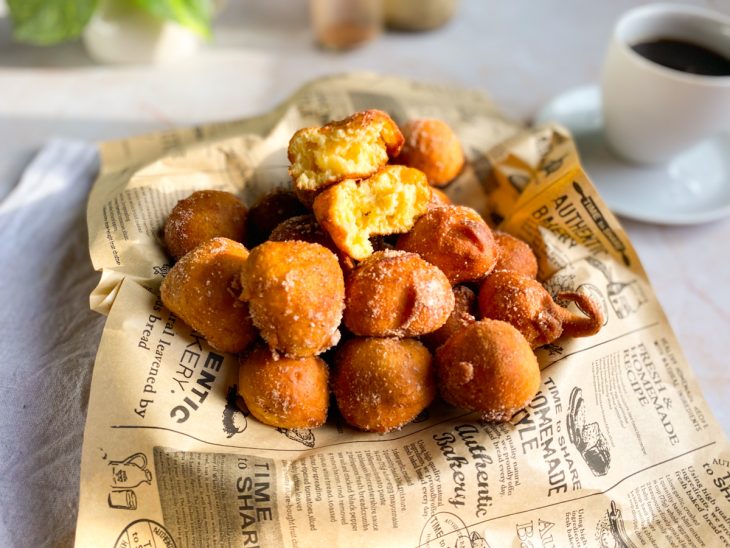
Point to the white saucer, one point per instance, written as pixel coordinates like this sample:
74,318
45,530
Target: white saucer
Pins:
692,188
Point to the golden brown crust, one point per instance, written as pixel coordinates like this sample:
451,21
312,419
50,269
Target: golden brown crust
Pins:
515,255
202,290
295,292
438,198
203,215
305,228
269,211
464,313
284,392
433,147
382,384
456,239
488,367
353,148
394,293
389,202
525,303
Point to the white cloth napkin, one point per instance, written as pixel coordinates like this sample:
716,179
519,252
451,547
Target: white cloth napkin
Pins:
48,341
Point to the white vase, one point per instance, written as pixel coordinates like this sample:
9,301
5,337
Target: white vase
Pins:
121,33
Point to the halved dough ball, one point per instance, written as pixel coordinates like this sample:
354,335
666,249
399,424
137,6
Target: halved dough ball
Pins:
456,239
284,392
433,147
464,313
382,384
394,293
488,367
202,290
353,148
295,292
514,255
203,215
389,202
269,211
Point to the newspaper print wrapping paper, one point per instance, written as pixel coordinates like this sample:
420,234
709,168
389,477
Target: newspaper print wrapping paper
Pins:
617,449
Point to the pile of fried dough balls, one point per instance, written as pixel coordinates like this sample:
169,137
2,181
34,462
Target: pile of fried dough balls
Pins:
366,282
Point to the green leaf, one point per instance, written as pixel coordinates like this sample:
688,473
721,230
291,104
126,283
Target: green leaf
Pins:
45,22
193,14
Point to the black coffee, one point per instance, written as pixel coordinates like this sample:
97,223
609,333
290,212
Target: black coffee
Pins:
684,56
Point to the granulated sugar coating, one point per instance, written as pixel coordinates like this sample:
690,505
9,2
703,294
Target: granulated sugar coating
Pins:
514,255
202,290
394,293
382,384
201,216
305,228
464,313
526,304
456,239
488,367
284,392
295,291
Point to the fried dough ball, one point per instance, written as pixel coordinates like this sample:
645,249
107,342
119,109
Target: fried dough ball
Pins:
488,367
202,289
305,228
353,148
456,239
464,313
203,215
269,211
382,384
295,292
515,255
389,202
284,392
526,304
438,198
433,147
394,293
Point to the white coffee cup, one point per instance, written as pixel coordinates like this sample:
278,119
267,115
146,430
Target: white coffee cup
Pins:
652,112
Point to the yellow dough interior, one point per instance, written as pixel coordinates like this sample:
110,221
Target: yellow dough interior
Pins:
327,155
389,202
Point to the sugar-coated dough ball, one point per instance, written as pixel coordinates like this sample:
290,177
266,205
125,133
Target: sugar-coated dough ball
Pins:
488,367
464,313
433,147
269,211
203,215
295,292
515,255
438,198
382,384
456,239
284,392
202,290
305,228
396,294
353,148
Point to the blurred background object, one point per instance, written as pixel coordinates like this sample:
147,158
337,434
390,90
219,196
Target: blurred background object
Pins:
418,15
345,24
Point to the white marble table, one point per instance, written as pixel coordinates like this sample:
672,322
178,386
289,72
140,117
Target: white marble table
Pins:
521,53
